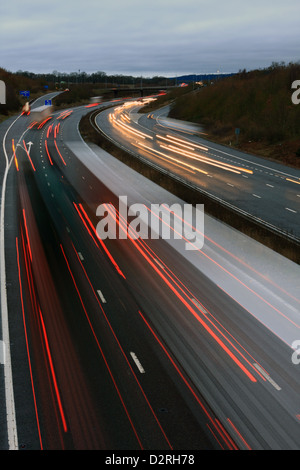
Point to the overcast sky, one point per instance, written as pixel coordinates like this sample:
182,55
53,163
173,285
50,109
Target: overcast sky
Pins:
148,37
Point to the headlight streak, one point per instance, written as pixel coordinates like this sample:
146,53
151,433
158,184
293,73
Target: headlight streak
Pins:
14,153
181,142
177,140
31,125
53,373
178,162
129,129
49,130
168,139
56,130
292,181
64,114
222,432
206,160
26,232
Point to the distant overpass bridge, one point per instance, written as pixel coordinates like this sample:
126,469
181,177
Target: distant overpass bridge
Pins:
141,90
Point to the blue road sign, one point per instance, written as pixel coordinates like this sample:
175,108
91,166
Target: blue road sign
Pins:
25,93
48,102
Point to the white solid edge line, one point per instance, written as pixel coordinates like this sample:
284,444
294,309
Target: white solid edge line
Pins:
8,380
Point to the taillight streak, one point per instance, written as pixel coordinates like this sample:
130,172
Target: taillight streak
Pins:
100,349
53,373
119,345
48,154
184,289
37,314
195,395
15,156
92,232
235,257
27,344
28,155
239,434
200,252
44,122
59,153
27,236
56,130
200,158
187,305
32,124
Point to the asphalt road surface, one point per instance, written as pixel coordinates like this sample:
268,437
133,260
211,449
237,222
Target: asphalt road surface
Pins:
266,190
125,344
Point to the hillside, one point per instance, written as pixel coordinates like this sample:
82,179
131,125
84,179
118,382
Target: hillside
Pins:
258,103
14,83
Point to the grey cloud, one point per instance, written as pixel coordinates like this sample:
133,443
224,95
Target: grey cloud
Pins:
159,37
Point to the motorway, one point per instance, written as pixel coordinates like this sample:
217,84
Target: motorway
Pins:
266,190
135,344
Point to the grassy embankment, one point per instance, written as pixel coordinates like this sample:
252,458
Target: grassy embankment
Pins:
78,94
257,102
14,84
